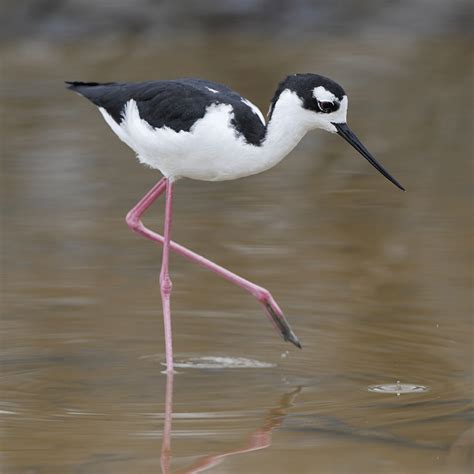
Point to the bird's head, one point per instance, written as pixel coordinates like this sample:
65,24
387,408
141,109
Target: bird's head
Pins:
322,103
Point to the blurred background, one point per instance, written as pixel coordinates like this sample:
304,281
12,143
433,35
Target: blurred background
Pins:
376,283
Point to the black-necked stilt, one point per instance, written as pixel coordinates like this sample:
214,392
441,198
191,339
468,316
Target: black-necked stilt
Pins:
192,128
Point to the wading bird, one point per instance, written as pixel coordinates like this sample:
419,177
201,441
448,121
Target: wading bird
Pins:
193,128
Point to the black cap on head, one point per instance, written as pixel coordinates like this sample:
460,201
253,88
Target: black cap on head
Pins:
304,85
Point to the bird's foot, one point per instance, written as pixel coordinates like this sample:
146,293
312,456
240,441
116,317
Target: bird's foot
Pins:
278,318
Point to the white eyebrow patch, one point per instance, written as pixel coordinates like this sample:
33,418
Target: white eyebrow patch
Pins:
255,109
323,95
212,90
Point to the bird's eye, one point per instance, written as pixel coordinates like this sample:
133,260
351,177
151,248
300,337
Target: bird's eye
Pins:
327,106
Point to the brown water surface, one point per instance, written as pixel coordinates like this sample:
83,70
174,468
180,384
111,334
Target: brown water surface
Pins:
375,282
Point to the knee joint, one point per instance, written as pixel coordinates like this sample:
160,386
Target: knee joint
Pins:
166,284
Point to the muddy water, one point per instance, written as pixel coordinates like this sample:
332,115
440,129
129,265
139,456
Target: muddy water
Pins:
375,282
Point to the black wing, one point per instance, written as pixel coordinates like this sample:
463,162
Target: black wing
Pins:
176,104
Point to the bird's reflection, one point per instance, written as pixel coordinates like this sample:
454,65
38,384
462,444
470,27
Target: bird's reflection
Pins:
259,439
165,457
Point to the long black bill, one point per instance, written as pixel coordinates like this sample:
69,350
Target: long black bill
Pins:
345,132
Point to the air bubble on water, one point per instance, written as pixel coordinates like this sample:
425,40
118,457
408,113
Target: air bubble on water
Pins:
398,388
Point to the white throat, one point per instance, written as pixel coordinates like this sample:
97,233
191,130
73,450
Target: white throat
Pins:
288,125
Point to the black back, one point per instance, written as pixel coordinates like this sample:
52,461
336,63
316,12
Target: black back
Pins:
176,104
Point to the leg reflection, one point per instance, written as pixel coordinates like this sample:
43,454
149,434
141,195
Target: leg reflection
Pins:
165,457
258,439
261,438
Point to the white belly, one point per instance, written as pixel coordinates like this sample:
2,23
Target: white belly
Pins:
210,151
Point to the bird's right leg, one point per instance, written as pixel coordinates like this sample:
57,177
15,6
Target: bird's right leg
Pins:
270,306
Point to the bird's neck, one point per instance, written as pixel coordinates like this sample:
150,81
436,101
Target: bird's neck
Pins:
287,125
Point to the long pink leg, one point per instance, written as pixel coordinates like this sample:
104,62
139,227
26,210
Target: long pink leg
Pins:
165,281
272,310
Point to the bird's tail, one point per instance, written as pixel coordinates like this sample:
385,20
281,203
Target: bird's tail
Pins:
94,91
76,85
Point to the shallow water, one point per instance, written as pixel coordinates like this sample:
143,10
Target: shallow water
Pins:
375,282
